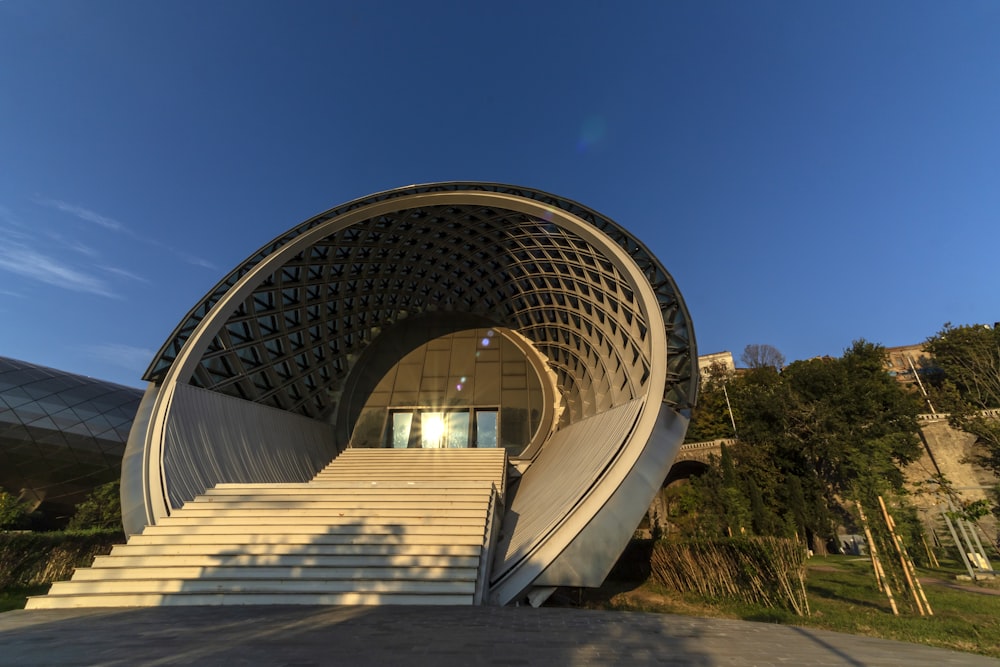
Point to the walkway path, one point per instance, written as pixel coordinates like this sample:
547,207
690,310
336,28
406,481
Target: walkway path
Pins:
439,636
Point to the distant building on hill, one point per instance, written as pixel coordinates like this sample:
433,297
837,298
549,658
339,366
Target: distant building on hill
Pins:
707,361
906,362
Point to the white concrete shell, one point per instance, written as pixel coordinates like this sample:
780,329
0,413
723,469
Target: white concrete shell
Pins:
264,379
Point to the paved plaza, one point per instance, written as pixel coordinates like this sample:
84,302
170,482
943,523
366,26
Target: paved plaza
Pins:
441,636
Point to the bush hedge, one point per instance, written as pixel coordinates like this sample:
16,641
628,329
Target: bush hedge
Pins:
32,559
756,570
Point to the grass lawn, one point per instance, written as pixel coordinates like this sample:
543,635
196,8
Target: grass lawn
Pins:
15,598
843,598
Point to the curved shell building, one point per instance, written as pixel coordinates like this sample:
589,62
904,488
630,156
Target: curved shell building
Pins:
384,345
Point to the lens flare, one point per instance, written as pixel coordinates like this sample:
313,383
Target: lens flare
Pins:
432,429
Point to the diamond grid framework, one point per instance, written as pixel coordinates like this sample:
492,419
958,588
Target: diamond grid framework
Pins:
60,434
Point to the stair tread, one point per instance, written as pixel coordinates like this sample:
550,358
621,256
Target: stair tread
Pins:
317,574
209,599
283,560
274,585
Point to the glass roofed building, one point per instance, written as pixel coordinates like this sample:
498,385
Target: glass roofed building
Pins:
430,340
60,434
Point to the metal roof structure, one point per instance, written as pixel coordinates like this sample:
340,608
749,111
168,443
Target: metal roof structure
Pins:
60,434
297,337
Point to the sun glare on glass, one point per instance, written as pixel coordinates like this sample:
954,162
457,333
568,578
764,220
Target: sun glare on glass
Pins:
432,428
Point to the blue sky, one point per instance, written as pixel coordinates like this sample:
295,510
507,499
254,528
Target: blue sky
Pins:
810,173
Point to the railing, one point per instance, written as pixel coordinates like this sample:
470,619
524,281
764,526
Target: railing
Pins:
707,444
938,416
494,517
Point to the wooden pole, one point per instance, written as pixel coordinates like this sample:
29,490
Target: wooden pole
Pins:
872,551
913,570
930,554
958,545
880,579
902,557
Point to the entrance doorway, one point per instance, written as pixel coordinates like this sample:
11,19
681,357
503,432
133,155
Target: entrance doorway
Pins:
432,428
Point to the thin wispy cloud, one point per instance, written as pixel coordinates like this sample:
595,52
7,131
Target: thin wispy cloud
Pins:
8,216
123,273
196,261
84,214
13,232
111,224
29,263
124,356
73,244
84,249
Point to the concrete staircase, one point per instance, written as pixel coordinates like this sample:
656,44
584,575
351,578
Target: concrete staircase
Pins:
377,526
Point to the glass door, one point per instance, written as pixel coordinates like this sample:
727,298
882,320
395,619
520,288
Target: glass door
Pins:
438,429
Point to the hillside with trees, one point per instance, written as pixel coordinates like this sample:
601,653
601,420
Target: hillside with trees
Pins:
814,438
965,374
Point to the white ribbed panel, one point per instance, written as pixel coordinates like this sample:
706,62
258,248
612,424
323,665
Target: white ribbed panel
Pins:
212,438
567,467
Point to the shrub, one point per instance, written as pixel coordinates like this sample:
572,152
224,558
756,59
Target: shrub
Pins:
32,559
756,570
101,509
14,512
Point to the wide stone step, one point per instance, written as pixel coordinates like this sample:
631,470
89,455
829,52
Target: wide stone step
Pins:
368,467
384,476
331,494
117,560
426,514
322,574
243,585
356,500
215,549
331,520
255,598
354,483
294,503
346,528
238,540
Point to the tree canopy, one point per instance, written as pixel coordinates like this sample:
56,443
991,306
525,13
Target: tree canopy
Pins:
757,355
811,435
968,358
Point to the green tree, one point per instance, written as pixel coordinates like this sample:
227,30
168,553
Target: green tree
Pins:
853,423
14,513
811,436
968,357
101,509
827,429
759,355
711,419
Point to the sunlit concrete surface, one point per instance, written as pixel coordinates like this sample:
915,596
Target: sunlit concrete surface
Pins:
438,636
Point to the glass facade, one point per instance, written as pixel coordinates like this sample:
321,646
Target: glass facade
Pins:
61,435
473,388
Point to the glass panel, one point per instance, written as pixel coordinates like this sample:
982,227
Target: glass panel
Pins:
369,429
458,429
432,430
401,422
486,428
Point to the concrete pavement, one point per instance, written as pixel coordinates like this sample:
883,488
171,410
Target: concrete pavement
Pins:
440,636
